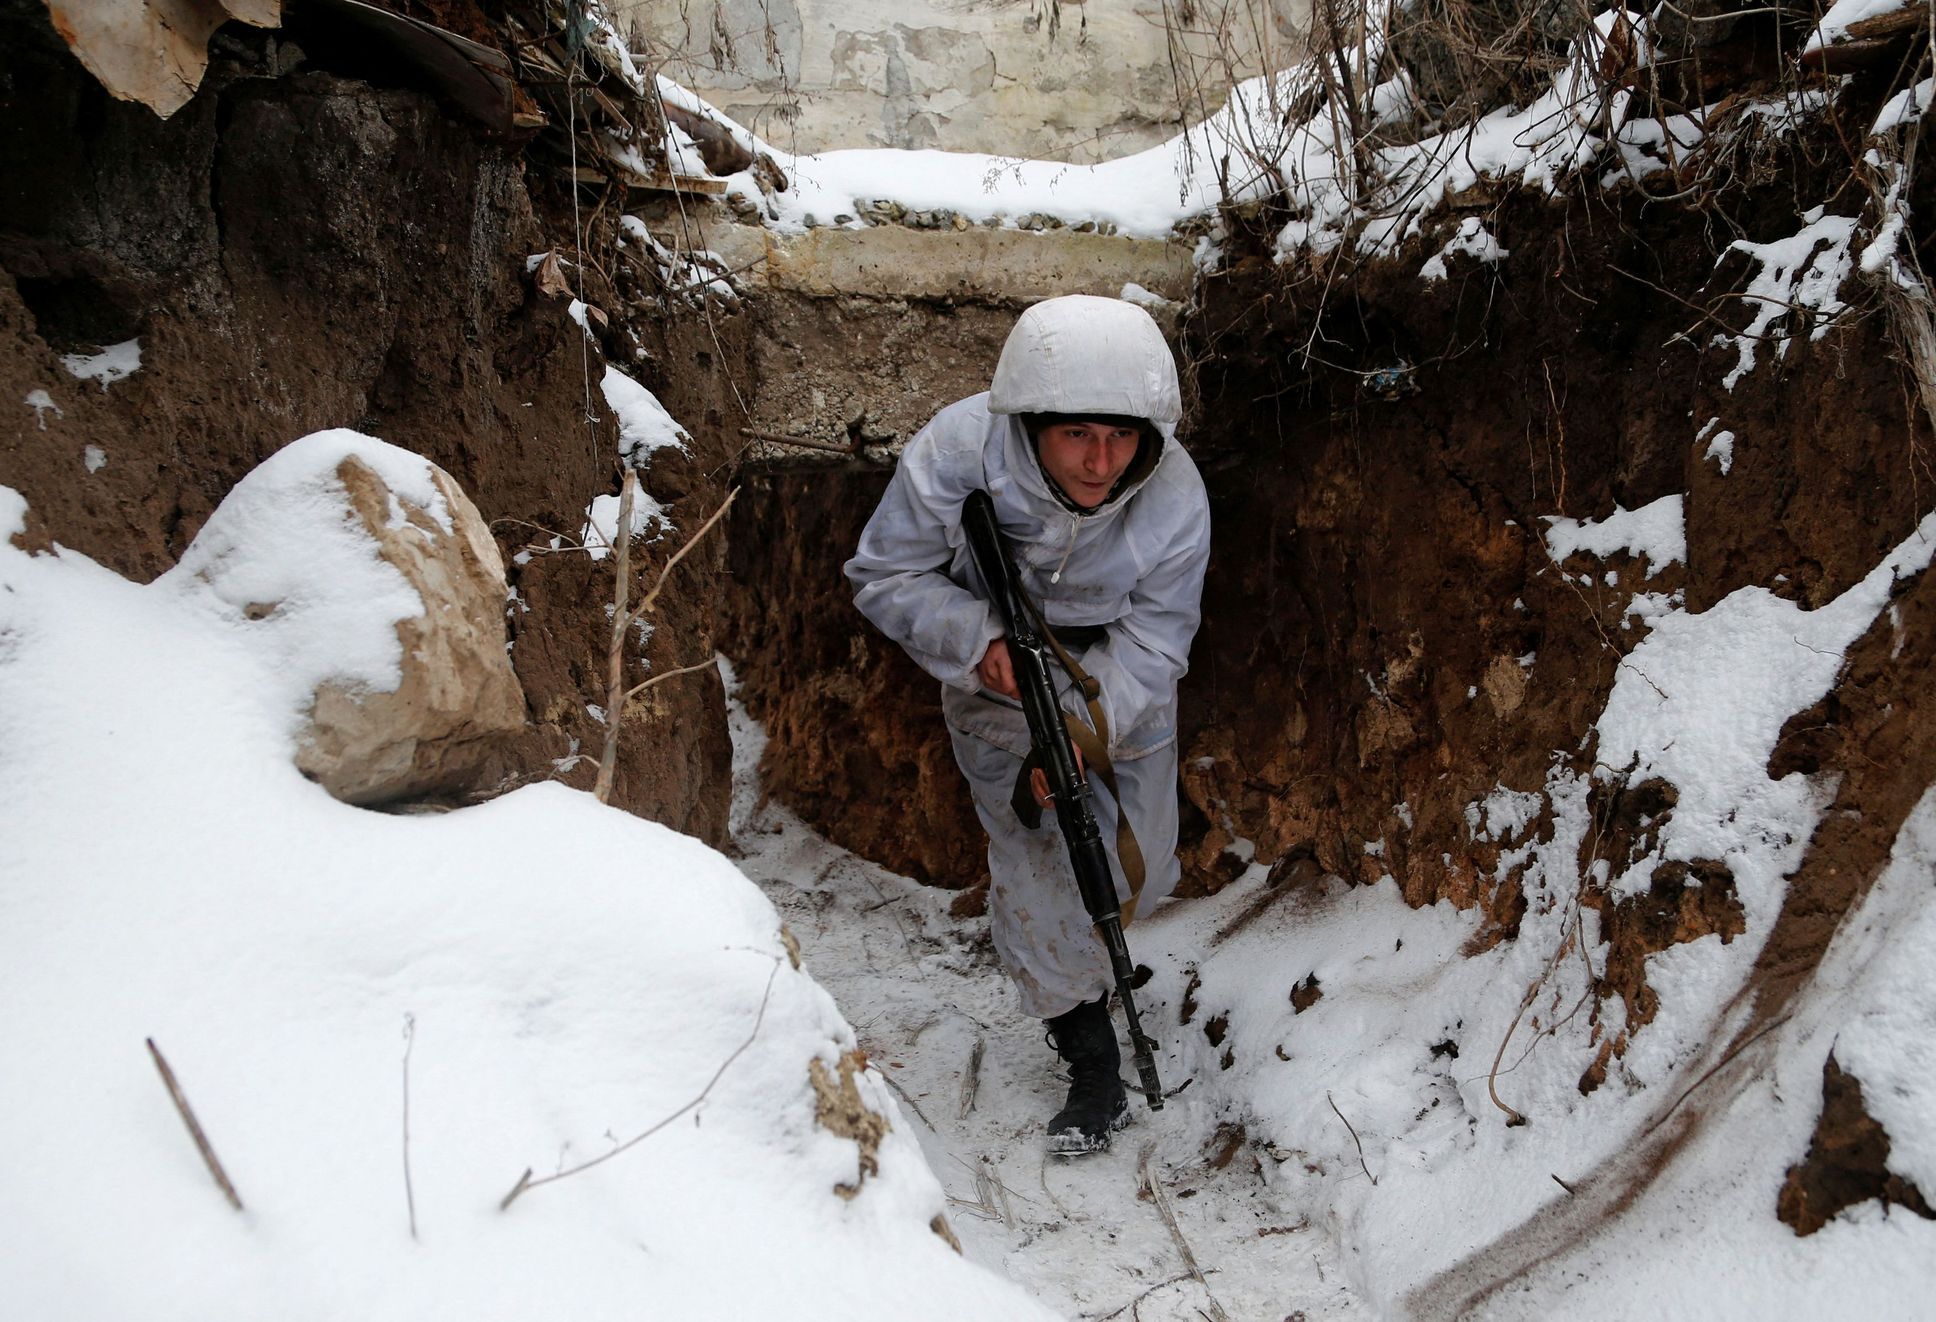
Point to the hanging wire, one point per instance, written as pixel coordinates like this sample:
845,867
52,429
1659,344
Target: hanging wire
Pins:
577,24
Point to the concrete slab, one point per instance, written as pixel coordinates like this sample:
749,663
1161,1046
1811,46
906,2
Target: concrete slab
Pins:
976,265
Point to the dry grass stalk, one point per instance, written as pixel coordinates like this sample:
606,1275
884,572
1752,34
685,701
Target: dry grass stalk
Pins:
971,1078
195,1131
409,1186
1001,1191
1168,1213
1354,1136
526,1182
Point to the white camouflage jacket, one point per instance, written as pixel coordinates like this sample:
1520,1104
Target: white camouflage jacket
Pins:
1135,564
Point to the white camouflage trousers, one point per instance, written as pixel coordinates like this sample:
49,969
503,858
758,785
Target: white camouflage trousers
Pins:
1042,933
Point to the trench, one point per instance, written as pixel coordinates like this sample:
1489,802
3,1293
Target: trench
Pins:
1386,640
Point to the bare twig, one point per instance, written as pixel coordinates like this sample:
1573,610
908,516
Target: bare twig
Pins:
615,651
1354,1138
652,598
1162,1201
409,1188
195,1132
1492,1076
526,1182
648,682
907,1097
616,694
1160,1285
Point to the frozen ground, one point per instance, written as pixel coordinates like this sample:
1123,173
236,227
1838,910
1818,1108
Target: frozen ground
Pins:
926,997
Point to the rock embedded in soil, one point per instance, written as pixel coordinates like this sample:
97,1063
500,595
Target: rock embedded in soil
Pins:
457,692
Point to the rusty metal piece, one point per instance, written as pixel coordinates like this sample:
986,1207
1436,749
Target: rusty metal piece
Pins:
151,51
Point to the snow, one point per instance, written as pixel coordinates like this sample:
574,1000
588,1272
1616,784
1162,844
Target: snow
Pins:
1473,240
383,1020
1905,107
643,423
1702,699
42,404
1704,1234
600,533
1656,531
94,458
1845,14
689,273
1134,293
1721,450
1799,274
1503,814
117,362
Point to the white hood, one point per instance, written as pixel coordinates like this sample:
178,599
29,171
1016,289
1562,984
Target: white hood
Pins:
1084,354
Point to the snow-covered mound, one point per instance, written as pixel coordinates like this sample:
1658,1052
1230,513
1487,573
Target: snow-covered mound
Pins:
383,1022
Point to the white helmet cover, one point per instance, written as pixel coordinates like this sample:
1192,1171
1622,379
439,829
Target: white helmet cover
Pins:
1082,354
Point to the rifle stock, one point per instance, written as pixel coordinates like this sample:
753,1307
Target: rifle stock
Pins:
1049,736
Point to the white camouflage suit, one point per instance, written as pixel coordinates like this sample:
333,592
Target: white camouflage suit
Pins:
1134,564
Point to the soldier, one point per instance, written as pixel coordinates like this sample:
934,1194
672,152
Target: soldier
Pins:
1075,442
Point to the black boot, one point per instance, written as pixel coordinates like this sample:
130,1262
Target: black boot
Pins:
1098,1103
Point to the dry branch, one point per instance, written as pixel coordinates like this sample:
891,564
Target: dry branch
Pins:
617,695
774,438
195,1131
651,680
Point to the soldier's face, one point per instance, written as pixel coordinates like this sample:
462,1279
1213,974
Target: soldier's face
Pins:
1087,458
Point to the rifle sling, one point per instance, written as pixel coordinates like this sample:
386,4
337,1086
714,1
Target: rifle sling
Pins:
1092,741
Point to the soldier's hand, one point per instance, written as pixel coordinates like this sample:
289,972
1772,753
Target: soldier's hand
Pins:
1039,782
997,670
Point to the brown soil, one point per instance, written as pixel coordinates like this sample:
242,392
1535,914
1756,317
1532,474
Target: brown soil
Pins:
298,250
1847,1162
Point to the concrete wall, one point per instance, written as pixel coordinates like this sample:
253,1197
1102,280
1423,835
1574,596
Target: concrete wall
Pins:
1079,80
880,327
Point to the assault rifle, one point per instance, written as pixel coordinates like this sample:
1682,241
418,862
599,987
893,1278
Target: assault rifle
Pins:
1055,752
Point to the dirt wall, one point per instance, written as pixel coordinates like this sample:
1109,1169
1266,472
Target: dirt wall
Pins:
298,249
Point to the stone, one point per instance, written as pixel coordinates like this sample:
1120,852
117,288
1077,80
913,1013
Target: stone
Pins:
458,690
375,591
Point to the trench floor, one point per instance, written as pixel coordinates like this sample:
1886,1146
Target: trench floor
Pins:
976,1082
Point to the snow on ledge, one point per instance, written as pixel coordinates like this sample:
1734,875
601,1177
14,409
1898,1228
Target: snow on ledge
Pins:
1656,532
117,362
